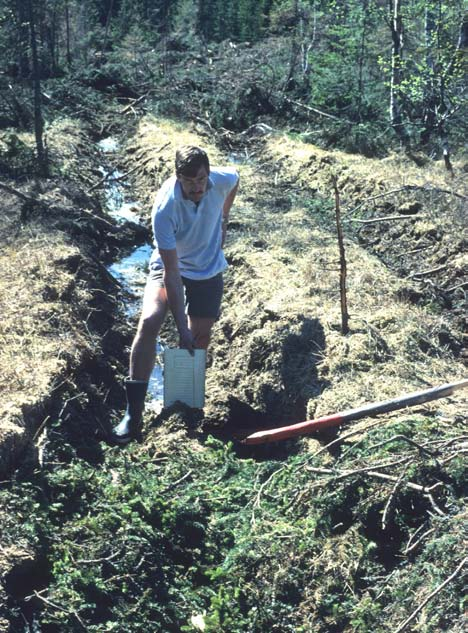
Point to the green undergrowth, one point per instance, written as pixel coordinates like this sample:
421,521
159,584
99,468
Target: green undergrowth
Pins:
209,538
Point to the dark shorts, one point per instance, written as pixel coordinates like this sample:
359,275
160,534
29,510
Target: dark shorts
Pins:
202,296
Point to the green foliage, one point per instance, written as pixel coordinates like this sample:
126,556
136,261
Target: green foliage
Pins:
16,157
251,546
242,20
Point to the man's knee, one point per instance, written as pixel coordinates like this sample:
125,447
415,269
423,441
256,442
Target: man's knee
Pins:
201,330
150,324
202,340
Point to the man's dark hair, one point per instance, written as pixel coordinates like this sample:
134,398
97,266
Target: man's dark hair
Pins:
189,159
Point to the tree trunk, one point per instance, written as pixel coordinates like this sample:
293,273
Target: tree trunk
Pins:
396,118
106,34
38,121
24,69
343,266
361,58
430,101
294,49
67,34
457,59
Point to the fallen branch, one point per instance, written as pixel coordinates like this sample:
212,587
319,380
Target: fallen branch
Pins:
388,218
317,111
437,590
425,273
19,194
127,173
133,104
97,218
410,188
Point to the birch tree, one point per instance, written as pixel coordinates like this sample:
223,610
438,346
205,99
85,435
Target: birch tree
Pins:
396,27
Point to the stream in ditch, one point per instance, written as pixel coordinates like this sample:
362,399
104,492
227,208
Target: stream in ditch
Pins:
131,270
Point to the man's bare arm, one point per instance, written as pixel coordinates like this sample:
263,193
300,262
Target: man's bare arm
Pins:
226,209
175,296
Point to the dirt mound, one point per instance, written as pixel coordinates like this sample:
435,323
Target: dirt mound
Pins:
413,218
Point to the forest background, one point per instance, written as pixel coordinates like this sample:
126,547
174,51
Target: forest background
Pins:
372,74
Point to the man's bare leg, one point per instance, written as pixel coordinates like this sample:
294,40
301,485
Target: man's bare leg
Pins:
201,330
141,362
153,313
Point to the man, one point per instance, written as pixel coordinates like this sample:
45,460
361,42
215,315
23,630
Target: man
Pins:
189,218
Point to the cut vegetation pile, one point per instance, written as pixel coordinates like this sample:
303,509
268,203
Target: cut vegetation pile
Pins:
350,532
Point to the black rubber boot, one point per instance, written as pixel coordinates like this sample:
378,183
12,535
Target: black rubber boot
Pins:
130,427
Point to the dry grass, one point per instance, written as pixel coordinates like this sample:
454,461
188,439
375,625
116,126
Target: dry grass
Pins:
38,331
42,338
311,166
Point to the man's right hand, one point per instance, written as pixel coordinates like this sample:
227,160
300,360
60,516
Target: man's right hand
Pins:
186,341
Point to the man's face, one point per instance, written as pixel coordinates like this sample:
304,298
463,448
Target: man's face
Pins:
194,187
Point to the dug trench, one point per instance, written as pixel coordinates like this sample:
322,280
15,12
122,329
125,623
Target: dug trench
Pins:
191,524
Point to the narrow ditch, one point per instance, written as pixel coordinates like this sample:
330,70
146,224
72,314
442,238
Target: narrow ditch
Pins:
131,270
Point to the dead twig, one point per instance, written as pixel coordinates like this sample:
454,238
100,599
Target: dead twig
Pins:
421,448
408,484
391,498
344,437
336,475
387,218
317,111
176,483
57,607
454,455
133,104
437,590
425,273
434,504
462,285
412,546
256,503
409,188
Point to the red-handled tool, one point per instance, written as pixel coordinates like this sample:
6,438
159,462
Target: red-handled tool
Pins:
309,426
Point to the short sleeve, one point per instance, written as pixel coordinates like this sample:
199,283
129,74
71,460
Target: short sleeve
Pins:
163,229
225,179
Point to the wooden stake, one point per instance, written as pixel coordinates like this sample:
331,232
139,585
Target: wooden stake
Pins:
343,269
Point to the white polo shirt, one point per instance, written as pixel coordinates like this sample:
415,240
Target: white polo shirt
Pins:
193,230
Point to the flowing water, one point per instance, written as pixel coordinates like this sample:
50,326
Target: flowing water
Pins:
131,270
